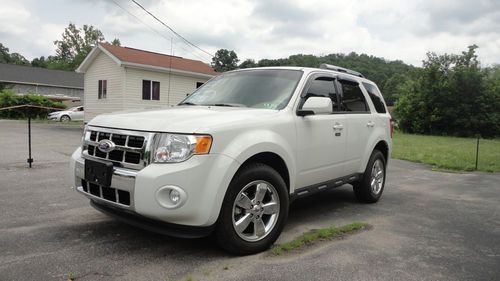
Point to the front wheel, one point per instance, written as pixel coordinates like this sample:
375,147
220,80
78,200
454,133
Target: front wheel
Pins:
254,210
369,189
65,118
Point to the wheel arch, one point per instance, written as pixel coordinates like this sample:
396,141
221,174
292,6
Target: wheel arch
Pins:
274,161
383,147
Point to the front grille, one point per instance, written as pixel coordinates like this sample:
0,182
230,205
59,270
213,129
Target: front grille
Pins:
131,147
107,193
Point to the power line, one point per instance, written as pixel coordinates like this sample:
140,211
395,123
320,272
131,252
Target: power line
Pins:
171,29
156,31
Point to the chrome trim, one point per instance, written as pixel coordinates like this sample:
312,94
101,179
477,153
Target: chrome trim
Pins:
145,150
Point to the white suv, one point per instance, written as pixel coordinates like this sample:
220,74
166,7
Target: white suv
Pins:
233,155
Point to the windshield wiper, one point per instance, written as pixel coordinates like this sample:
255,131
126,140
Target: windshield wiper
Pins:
187,103
226,104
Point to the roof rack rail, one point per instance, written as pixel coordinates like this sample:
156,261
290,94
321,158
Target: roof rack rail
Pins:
340,69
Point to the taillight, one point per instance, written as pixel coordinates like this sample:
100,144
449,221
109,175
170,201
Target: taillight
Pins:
392,127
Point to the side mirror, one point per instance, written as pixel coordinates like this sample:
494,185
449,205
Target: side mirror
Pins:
316,105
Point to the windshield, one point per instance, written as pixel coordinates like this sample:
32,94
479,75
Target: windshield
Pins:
261,88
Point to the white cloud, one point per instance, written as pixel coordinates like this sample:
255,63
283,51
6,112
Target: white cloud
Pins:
14,18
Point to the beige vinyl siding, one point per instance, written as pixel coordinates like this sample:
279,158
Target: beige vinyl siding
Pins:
180,86
103,68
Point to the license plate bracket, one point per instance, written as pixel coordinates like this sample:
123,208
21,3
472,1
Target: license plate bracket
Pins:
98,172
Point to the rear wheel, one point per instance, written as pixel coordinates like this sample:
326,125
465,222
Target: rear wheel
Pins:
65,118
369,189
254,210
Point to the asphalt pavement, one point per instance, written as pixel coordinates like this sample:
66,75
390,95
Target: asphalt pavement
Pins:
428,226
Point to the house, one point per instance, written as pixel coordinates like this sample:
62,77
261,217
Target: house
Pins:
122,78
57,85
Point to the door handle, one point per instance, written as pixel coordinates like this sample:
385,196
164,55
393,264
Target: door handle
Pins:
370,124
338,127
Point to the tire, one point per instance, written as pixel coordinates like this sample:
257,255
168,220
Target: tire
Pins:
248,224
65,118
364,190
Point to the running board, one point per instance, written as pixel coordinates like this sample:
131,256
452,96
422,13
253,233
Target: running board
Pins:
315,188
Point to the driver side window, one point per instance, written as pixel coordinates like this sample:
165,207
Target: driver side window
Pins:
322,87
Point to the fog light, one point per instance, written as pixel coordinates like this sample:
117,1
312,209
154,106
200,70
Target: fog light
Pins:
171,196
175,196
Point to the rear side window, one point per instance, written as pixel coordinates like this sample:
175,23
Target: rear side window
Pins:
352,98
376,97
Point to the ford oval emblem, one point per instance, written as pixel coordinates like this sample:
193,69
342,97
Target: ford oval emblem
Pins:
106,146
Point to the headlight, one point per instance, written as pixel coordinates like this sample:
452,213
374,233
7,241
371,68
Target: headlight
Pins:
174,148
85,129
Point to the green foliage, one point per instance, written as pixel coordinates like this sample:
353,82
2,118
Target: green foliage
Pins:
116,42
448,153
389,75
225,60
14,58
451,95
8,98
75,45
248,64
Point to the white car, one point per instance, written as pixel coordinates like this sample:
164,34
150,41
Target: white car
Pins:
74,113
232,156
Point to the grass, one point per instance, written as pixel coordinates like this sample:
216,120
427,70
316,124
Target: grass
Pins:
448,153
311,237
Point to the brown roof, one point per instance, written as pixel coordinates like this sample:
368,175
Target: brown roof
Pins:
132,55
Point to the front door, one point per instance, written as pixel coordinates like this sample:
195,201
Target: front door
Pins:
321,138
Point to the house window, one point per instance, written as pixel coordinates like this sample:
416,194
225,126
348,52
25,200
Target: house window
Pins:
150,90
102,89
198,84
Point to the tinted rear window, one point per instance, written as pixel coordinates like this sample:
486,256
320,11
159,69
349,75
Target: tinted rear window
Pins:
376,97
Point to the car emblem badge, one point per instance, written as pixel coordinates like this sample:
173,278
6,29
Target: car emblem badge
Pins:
106,146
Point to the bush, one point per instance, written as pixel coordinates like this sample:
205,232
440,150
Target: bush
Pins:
8,98
451,95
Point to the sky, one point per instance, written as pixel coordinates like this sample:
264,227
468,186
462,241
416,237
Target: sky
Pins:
258,29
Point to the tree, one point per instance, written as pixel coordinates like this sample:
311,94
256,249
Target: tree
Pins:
116,42
39,62
248,63
75,45
4,54
450,95
225,60
14,58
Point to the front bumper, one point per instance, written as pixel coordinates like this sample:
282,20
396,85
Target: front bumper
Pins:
203,178
154,225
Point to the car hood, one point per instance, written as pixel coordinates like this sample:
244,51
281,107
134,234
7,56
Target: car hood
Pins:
182,119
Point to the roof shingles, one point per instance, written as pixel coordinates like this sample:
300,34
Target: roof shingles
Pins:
22,74
136,56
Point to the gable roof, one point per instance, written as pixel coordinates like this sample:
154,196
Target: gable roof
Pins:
125,56
23,74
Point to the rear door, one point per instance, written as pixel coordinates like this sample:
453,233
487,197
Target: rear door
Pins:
360,124
321,138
